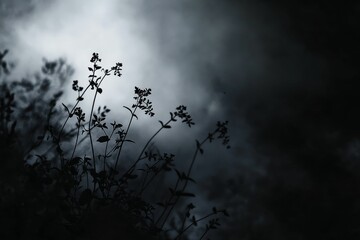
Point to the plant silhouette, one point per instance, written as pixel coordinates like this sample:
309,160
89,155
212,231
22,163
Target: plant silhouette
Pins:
63,173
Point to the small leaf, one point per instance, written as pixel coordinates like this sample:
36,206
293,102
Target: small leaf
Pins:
128,109
66,108
197,144
99,90
194,220
90,69
103,139
172,117
201,150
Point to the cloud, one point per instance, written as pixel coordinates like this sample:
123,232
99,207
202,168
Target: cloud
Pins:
171,58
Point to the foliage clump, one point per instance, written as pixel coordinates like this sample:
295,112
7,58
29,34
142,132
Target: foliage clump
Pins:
66,174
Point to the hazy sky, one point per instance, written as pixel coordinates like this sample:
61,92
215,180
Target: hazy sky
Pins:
284,73
169,46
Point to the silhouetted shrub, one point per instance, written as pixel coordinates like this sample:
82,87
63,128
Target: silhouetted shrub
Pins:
63,172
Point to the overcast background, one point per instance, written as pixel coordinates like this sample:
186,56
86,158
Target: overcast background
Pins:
284,73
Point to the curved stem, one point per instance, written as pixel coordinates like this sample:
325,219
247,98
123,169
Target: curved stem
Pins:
145,183
169,201
91,140
71,112
125,135
186,180
131,169
193,223
76,141
202,236
92,111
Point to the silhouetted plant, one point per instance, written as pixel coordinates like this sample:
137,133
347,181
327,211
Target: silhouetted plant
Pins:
74,179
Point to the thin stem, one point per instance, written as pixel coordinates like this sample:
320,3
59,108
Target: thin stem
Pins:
67,119
92,111
106,146
186,180
182,226
91,140
76,141
90,117
125,135
145,183
71,112
44,131
169,201
202,236
193,223
131,169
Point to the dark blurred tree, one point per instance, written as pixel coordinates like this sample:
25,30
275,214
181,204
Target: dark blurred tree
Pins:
26,106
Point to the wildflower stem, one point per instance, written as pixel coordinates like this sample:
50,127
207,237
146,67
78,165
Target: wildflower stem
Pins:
76,140
186,180
193,223
125,135
131,169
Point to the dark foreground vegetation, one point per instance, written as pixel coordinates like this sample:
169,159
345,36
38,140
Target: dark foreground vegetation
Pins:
64,173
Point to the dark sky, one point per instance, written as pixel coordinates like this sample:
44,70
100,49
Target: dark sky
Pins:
284,73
